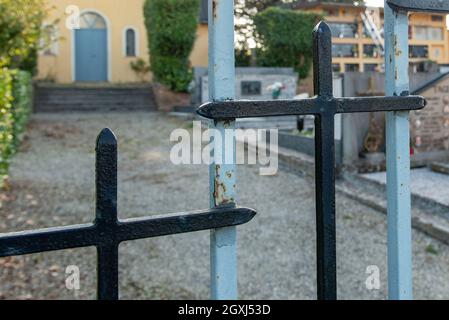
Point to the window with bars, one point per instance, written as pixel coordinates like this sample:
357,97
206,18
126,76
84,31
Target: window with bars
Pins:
371,51
352,67
49,41
428,33
130,42
92,20
345,51
344,30
371,67
419,52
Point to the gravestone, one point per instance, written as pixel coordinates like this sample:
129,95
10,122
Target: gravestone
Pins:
251,83
254,84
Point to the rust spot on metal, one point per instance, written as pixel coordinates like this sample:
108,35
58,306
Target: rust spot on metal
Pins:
214,9
227,123
220,189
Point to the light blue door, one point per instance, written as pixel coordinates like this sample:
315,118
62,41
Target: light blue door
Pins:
91,55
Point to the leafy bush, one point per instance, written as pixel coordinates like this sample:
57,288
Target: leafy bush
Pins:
140,67
22,104
6,120
242,58
21,25
15,108
285,37
171,28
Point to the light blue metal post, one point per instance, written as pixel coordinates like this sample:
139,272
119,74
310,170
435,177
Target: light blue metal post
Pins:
398,158
223,249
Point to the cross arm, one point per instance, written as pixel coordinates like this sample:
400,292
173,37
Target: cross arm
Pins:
51,239
420,5
378,104
163,225
77,236
247,109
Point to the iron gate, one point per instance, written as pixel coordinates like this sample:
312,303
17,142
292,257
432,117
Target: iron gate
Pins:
324,107
107,232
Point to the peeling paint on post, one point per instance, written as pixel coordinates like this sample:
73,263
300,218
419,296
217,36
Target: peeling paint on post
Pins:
398,158
223,250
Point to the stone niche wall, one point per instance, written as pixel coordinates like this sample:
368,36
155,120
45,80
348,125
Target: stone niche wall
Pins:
430,126
250,83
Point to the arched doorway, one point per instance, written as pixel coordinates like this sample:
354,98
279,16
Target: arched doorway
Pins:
91,48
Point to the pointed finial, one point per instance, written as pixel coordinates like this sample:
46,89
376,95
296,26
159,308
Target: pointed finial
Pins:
105,137
322,60
322,28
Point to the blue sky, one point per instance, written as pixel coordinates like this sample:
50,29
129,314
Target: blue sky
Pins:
377,3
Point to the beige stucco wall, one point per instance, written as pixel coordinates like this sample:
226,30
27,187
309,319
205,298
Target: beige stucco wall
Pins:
199,56
120,14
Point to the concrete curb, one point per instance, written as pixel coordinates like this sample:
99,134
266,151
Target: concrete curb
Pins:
429,225
424,217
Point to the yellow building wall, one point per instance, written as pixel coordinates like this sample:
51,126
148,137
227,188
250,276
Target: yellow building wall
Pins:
199,56
119,14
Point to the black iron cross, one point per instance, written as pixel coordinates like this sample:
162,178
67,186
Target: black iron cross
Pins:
107,232
324,107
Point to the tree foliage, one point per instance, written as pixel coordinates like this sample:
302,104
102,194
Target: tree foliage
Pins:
246,10
285,37
171,28
21,25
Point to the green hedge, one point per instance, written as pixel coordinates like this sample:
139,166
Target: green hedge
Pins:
285,37
171,29
15,108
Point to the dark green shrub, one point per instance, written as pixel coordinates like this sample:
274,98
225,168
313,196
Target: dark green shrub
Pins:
15,108
242,58
285,37
22,104
6,120
171,29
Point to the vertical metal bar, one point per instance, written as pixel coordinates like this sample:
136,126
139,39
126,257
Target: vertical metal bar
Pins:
223,250
324,166
398,158
106,215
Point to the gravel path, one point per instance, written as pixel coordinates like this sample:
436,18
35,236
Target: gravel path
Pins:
52,184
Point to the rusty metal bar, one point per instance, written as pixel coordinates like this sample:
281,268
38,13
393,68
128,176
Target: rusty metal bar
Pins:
223,245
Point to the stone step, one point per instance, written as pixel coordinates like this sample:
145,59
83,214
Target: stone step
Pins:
423,219
427,217
366,184
54,98
440,167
